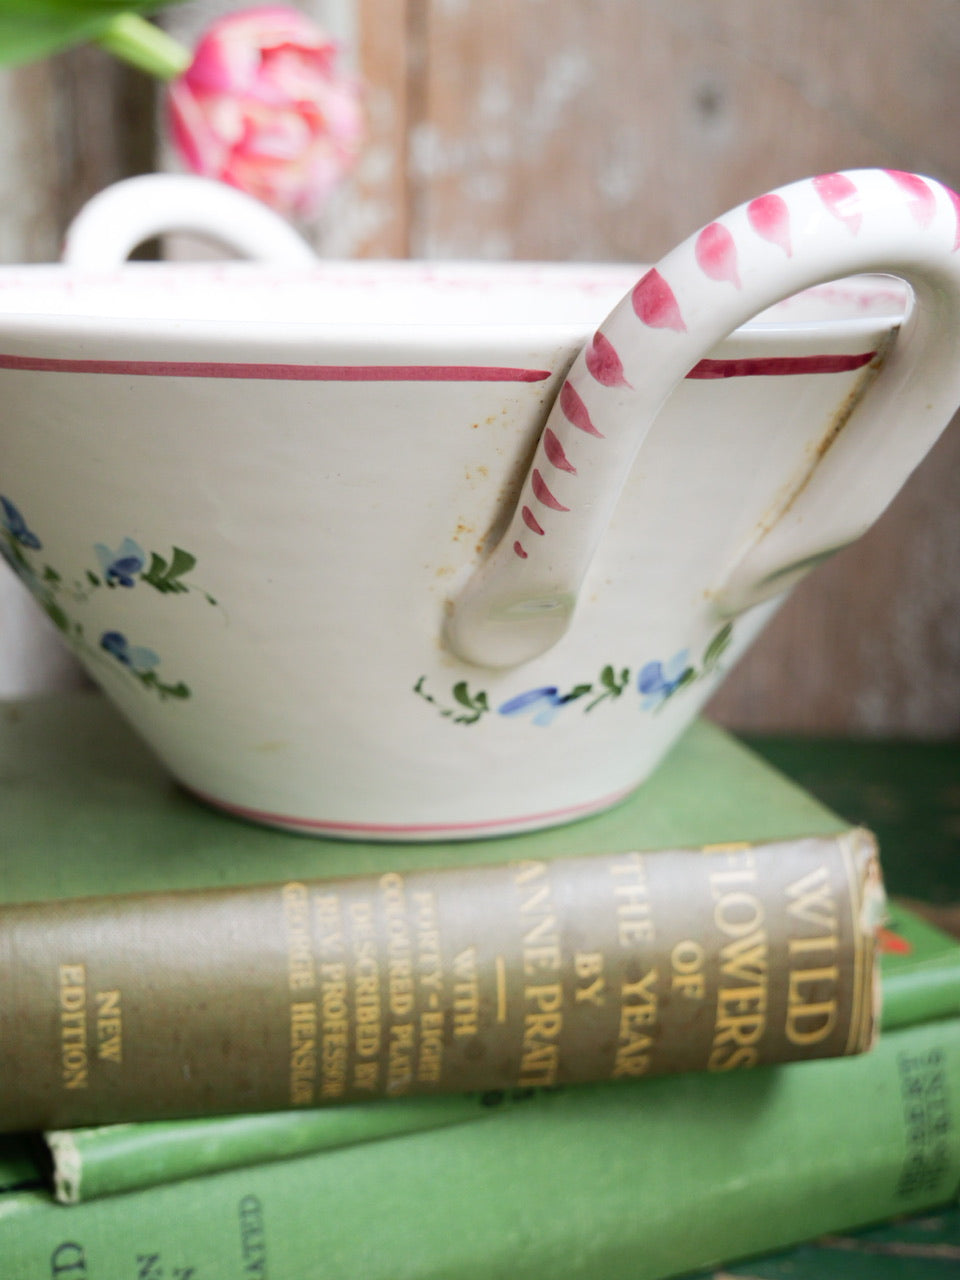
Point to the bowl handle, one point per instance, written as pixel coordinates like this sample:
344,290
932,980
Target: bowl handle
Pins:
520,600
119,218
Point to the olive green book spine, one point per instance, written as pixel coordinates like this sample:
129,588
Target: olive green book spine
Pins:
920,978
639,1181
530,974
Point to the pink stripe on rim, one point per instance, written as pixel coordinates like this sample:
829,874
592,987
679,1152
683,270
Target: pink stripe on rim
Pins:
280,372
767,366
779,366
387,831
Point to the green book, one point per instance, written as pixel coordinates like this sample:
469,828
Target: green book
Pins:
87,809
920,967
102,1160
235,969
637,1181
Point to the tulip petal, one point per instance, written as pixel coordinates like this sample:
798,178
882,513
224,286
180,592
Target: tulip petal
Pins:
264,107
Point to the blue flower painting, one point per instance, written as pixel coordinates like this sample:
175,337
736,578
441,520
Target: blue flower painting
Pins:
142,663
658,681
121,567
544,702
14,524
137,658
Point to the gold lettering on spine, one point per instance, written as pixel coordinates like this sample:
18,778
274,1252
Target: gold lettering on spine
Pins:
335,1038
301,980
631,894
687,960
466,994
74,1062
430,1063
638,1020
400,1053
430,979
401,985
329,926
812,901
639,996
743,980
810,1020
335,1029
591,983
812,992
303,1051
541,956
367,1002
109,1027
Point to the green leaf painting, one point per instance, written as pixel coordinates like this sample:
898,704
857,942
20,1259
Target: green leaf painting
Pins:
167,576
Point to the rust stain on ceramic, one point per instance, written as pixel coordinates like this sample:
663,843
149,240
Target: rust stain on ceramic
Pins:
820,448
842,416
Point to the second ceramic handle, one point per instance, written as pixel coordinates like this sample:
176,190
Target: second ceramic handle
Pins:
115,221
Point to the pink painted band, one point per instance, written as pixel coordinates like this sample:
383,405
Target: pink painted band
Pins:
769,366
278,372
779,366
388,830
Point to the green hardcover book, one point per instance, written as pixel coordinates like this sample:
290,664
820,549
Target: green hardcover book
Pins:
920,967
638,1181
234,969
103,1160
86,809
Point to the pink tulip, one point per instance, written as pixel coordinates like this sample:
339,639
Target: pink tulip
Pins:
264,107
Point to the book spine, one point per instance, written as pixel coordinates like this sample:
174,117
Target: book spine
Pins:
107,1159
920,980
535,973
641,1181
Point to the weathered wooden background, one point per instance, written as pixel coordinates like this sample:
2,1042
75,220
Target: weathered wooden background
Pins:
594,129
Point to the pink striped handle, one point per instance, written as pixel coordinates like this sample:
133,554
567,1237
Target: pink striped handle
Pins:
521,599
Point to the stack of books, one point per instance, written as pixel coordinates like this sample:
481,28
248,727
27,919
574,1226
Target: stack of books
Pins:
632,1047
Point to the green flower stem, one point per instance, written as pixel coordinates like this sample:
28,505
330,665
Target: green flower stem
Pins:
137,41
